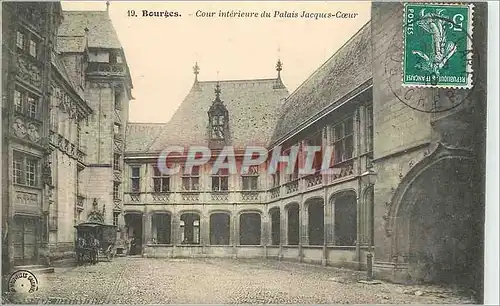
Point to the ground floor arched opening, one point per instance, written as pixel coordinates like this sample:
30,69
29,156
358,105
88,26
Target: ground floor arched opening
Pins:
190,228
133,228
162,224
439,225
250,229
275,216
219,228
316,221
293,224
345,215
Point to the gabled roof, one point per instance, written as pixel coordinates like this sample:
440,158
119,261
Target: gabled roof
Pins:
140,136
101,32
253,110
347,69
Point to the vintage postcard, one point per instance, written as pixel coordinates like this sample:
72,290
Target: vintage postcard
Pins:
245,152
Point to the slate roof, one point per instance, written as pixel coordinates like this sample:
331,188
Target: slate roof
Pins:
348,68
101,33
61,68
140,136
253,107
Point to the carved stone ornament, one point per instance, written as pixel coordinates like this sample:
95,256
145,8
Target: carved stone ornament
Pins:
47,173
29,72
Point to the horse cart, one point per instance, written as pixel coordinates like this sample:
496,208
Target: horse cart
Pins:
94,240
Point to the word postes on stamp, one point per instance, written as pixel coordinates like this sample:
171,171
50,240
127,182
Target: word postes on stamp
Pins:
437,45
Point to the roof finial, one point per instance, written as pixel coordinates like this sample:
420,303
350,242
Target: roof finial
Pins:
107,6
86,37
196,71
217,91
279,67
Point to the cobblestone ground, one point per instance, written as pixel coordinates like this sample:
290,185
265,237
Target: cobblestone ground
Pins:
209,281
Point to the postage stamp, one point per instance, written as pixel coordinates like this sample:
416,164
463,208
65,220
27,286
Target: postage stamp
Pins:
438,45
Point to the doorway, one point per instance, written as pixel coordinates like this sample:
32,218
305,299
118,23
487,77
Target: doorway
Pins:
133,224
25,240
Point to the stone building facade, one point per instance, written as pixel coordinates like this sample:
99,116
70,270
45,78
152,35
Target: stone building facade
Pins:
421,218
429,193
50,72
391,160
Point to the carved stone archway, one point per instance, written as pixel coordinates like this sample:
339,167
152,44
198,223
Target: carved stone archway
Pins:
435,219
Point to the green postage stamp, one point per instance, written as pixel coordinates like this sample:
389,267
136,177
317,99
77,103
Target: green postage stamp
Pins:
438,45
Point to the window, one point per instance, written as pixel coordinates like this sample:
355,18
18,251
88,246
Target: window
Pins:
316,140
18,170
115,218
32,107
191,181
220,180
25,170
295,174
116,191
116,161
135,179
117,100
78,134
218,127
116,128
18,101
343,140
276,179
369,128
20,40
250,179
33,50
161,181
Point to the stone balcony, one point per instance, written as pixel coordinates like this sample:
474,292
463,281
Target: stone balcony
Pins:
106,69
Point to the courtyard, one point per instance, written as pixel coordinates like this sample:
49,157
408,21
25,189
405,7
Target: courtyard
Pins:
135,280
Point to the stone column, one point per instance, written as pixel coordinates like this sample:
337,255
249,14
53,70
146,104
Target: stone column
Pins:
234,231
204,232
283,229
305,224
264,230
301,228
326,226
175,230
146,230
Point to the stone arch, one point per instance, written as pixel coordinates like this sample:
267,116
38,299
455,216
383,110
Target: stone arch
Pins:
219,211
435,225
331,198
190,211
345,213
312,199
250,210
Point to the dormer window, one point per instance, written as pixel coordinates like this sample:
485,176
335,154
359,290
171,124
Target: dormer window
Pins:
218,127
218,118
